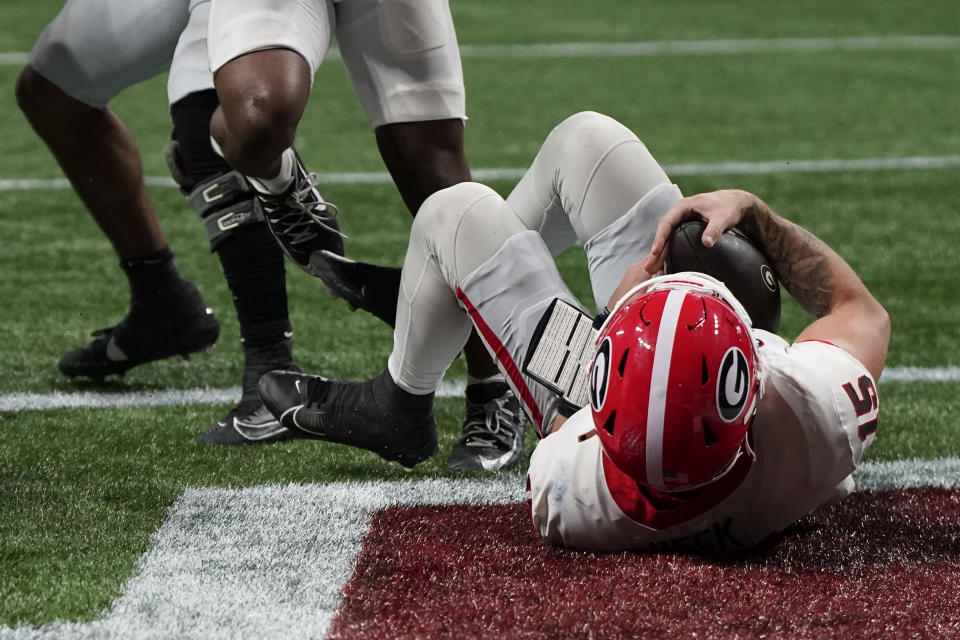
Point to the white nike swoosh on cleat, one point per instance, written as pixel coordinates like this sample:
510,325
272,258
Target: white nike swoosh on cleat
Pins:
492,464
296,383
495,463
259,432
114,352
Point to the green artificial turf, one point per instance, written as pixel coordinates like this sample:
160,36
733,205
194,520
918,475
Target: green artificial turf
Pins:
82,490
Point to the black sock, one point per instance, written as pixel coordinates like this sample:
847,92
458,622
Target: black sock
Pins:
253,265
152,277
390,396
191,129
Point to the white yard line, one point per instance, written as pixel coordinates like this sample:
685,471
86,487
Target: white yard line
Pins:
710,47
156,398
508,173
14,58
183,397
669,47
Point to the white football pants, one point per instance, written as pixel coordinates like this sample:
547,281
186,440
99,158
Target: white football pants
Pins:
94,50
401,56
475,257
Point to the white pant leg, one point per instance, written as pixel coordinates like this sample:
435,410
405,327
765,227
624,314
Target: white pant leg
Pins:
94,50
626,240
402,59
238,27
470,258
590,172
190,69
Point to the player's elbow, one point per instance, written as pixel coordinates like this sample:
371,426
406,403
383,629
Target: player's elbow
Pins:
874,317
875,329
881,321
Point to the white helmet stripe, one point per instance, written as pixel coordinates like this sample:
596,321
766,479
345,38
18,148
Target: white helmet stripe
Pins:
659,378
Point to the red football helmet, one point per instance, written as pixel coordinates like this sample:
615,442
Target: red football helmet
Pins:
675,382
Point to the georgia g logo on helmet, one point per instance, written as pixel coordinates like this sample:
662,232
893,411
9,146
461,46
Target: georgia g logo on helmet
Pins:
732,384
600,375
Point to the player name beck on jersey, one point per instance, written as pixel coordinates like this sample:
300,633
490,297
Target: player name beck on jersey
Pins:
561,351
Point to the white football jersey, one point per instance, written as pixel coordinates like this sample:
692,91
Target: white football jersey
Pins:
817,416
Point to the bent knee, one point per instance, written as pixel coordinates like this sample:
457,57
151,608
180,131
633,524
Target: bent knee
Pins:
443,210
261,106
589,132
464,225
260,127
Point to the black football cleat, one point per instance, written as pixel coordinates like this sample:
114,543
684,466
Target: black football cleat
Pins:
370,287
179,324
249,422
300,220
375,414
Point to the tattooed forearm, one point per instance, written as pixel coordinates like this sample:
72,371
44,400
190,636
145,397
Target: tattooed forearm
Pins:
801,260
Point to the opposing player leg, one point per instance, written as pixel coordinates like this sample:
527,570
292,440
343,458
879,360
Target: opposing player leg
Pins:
423,157
404,63
80,62
252,262
263,54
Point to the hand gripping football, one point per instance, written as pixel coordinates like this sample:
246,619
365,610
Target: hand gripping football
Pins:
736,262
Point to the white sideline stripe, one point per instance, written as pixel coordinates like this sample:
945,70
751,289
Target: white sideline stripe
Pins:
920,374
709,47
159,398
14,58
270,561
814,166
183,397
507,173
668,47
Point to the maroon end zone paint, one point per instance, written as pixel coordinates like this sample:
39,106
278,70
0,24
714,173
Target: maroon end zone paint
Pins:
877,565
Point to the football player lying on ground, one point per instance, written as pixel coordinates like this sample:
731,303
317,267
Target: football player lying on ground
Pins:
701,433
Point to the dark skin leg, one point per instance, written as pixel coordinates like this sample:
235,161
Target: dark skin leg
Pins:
100,158
424,157
262,98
